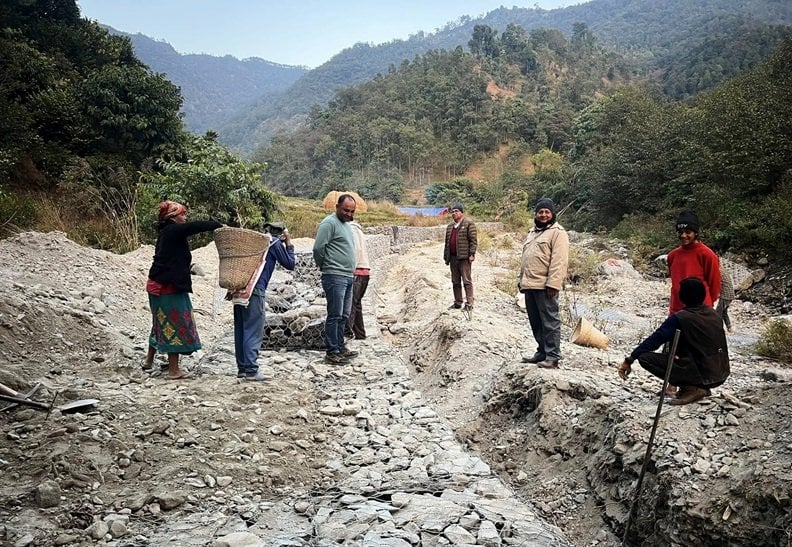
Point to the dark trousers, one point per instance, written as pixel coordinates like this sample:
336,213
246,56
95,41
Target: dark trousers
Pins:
460,277
249,322
355,325
545,319
684,372
338,292
723,311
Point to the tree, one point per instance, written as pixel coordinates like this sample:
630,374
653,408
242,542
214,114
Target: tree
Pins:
484,42
215,184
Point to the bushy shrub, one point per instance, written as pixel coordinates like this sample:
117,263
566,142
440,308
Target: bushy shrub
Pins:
776,341
647,236
17,211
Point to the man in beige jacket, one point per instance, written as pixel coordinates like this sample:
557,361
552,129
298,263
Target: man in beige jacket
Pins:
355,327
543,268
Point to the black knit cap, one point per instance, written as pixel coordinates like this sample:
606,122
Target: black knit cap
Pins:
457,206
687,220
545,203
692,292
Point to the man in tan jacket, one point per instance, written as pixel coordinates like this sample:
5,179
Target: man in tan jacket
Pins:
545,257
355,327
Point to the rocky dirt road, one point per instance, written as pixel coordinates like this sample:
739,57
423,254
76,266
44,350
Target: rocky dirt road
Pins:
436,435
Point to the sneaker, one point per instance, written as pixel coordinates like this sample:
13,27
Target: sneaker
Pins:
240,373
548,363
256,376
349,354
537,358
335,359
455,306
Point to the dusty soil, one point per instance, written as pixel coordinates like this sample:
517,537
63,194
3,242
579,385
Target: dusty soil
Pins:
570,441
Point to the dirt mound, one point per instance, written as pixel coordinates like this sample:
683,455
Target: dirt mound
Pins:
76,321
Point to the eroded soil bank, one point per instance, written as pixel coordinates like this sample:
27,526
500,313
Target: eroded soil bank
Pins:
572,440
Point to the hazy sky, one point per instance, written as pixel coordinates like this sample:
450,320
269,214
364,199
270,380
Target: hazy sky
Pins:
291,32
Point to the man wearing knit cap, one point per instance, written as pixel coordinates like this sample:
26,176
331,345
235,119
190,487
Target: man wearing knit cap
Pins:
701,361
461,241
543,269
692,259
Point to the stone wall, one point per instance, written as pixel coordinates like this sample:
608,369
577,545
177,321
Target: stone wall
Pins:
295,300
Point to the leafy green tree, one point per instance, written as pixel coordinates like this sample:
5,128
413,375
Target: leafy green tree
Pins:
69,91
215,184
484,42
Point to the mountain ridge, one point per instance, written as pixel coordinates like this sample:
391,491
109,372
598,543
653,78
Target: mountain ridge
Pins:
214,88
656,33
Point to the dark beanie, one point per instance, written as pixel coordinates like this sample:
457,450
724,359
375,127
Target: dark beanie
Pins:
458,206
545,203
692,292
687,220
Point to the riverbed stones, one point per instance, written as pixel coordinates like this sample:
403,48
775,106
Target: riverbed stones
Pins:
48,494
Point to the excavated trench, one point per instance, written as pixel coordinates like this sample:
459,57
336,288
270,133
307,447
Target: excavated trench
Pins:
571,442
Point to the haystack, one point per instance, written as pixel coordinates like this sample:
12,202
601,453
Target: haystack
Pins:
331,199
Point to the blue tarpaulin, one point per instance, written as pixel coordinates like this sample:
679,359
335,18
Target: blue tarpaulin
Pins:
425,211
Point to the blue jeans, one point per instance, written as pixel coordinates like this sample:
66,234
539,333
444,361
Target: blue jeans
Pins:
545,322
338,292
248,333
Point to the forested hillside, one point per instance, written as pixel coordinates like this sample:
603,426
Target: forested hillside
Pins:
215,89
92,139
655,34
433,117
545,115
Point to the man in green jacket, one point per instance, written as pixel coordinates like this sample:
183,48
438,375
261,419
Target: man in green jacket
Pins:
543,269
334,254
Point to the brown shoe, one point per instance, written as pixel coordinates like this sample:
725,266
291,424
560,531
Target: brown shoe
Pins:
548,363
689,394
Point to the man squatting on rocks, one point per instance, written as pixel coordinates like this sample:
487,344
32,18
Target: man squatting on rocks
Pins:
334,254
355,327
701,361
543,269
249,311
461,241
691,259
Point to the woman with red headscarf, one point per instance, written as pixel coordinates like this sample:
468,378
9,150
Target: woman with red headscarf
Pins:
169,286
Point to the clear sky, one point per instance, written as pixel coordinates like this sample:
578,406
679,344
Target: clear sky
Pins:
291,32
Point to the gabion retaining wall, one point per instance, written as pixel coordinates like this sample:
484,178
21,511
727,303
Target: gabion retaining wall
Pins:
296,306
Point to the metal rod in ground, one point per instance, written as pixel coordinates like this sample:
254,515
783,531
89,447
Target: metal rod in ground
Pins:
651,438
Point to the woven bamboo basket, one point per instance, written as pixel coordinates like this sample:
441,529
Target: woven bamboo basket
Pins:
240,251
588,335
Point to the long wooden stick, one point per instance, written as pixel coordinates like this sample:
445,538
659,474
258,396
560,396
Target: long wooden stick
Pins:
651,438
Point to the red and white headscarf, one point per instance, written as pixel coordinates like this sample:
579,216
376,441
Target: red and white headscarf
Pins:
170,209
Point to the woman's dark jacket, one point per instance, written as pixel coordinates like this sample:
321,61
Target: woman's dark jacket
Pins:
172,257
